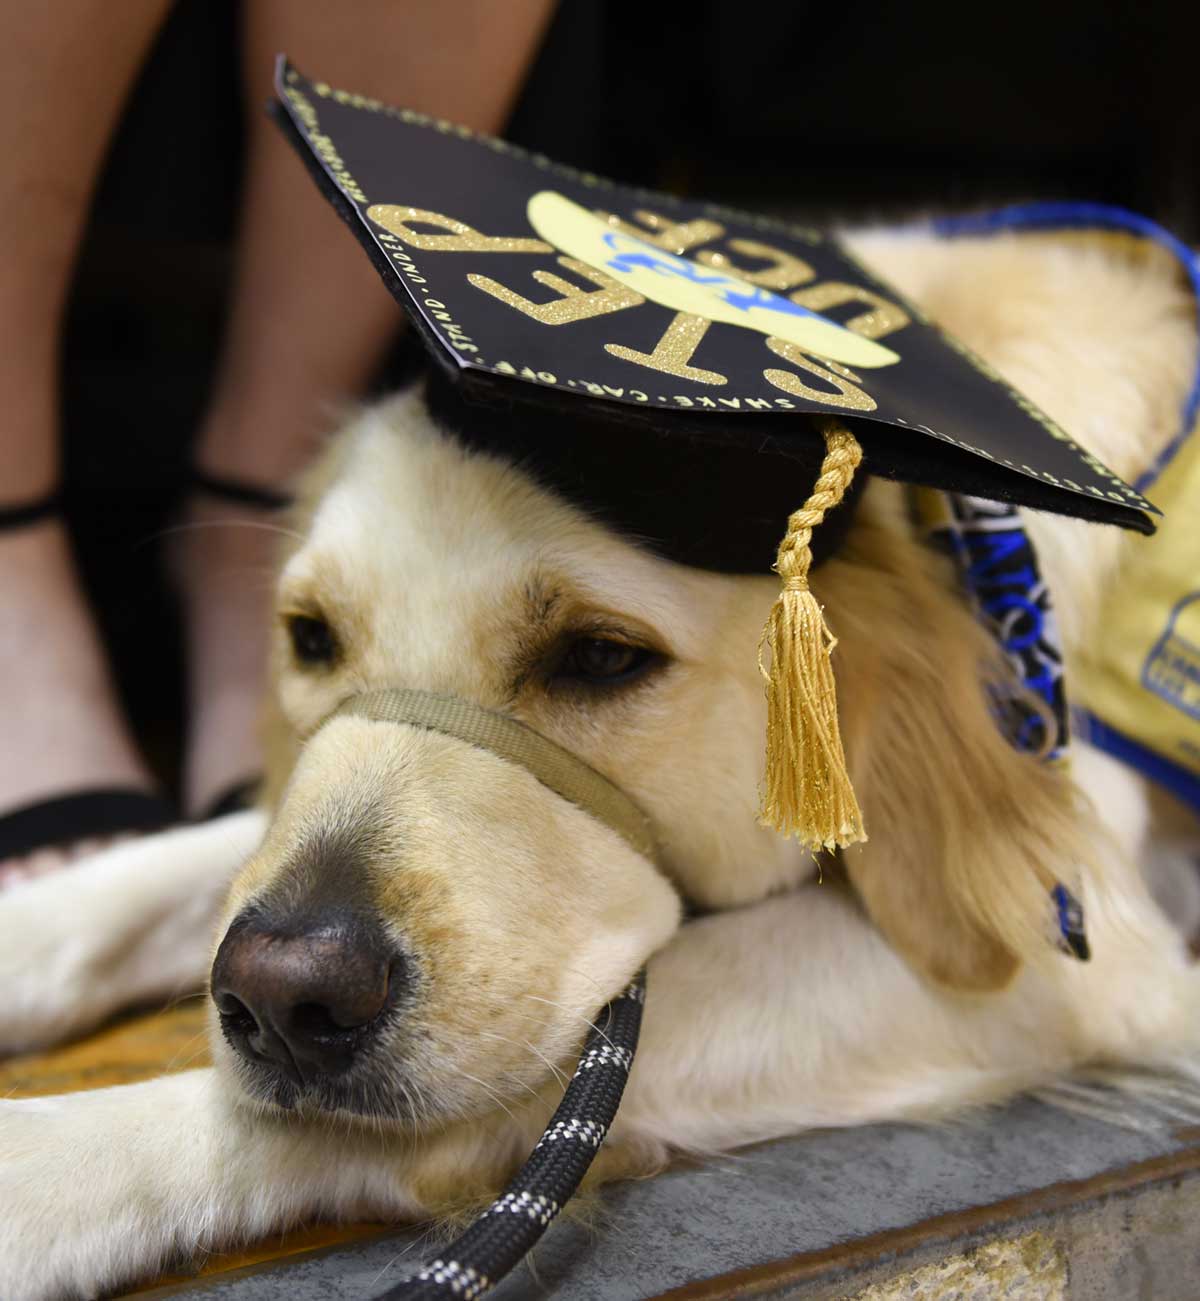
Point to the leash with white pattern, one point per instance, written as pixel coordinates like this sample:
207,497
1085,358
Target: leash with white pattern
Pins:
497,1241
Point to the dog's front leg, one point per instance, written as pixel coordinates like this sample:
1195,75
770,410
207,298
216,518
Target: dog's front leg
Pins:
765,1021
797,1013
127,925
103,1188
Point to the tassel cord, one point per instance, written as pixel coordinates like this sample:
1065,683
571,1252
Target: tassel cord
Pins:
807,793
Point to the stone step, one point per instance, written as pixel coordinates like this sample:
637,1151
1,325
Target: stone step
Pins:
1025,1203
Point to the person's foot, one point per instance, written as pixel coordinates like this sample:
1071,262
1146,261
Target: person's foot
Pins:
62,727
226,565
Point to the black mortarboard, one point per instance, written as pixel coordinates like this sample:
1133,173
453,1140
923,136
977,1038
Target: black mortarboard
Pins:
689,373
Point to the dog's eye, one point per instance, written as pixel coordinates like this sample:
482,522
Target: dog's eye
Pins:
595,659
313,641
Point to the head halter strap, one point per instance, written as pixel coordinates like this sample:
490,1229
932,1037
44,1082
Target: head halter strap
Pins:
556,768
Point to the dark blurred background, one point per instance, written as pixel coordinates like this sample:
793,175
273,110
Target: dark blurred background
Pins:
833,112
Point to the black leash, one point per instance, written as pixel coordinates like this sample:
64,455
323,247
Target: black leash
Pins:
477,1260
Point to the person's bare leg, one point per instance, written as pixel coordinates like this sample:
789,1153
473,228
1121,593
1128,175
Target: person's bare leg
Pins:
64,72
310,319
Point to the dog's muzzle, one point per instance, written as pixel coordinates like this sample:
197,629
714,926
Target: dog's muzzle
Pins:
303,997
555,767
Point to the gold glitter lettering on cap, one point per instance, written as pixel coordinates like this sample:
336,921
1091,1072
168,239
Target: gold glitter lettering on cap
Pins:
675,237
573,303
884,318
674,350
848,395
785,272
460,238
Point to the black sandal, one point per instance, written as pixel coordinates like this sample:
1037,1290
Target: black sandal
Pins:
238,492
30,512
236,798
99,811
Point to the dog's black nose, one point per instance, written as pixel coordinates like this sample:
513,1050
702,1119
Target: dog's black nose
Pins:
304,1000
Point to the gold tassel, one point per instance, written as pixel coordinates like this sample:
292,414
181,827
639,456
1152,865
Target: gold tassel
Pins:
808,793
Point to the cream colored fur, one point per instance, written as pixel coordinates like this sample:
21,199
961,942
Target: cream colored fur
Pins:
794,1004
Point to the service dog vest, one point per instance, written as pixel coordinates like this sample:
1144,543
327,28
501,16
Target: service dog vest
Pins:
1139,687
1135,693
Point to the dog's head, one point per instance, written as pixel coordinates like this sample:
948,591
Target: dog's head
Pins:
427,925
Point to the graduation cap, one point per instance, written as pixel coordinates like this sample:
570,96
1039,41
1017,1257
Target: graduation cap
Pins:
691,373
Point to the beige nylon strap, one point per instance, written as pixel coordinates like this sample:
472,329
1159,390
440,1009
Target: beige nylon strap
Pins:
558,769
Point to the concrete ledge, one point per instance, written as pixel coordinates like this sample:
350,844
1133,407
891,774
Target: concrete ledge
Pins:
1026,1202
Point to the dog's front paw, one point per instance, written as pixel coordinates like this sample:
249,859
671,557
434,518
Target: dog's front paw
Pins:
104,1189
60,1233
57,962
28,1231
46,966
100,1189
125,925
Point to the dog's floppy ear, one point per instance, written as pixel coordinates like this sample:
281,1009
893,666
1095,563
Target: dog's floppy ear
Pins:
966,833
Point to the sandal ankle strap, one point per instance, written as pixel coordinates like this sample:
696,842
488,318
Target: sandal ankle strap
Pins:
30,512
239,491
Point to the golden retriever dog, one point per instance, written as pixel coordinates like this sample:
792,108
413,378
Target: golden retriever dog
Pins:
412,934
